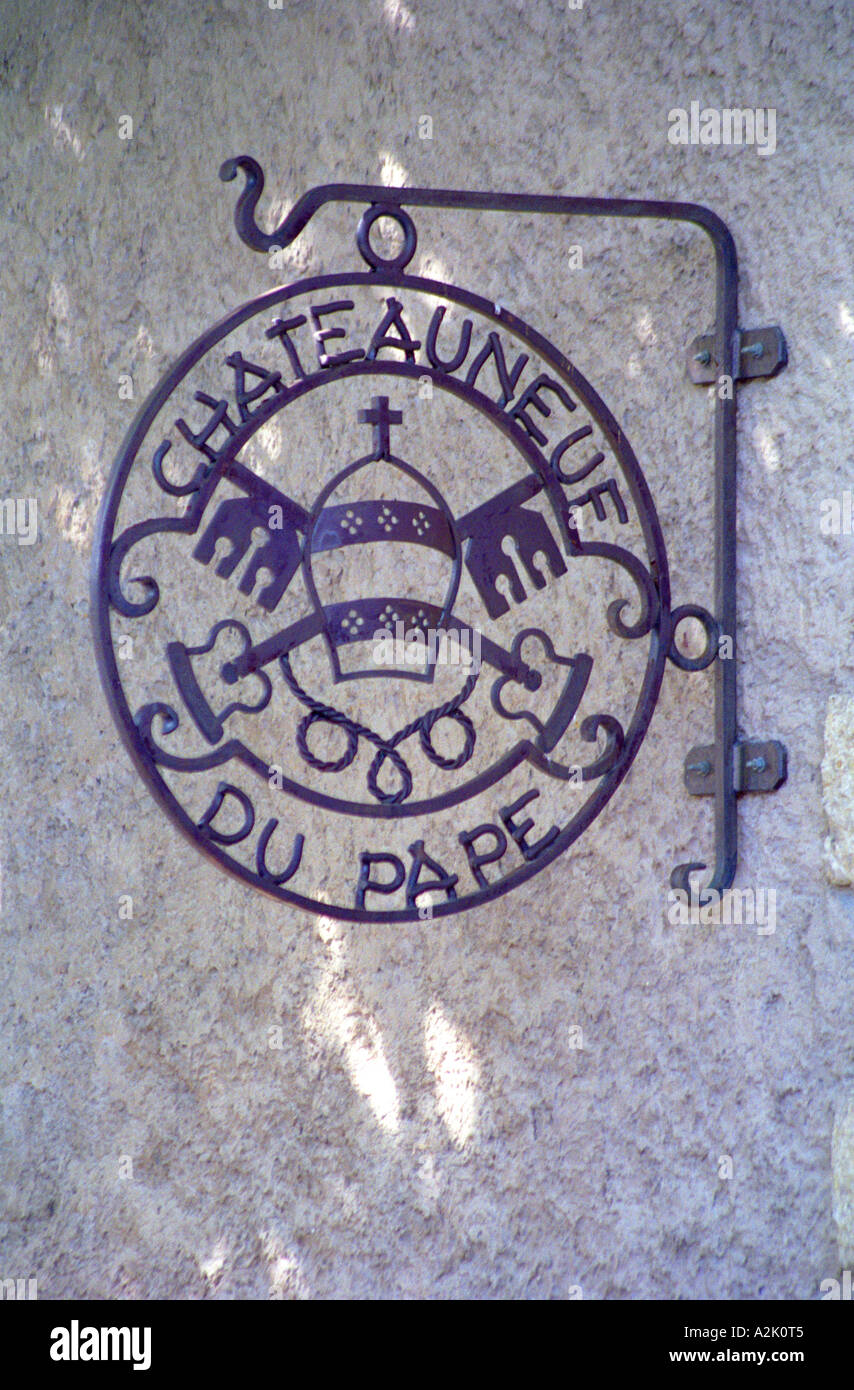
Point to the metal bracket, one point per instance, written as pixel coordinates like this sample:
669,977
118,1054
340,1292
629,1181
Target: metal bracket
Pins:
741,355
758,352
757,766
723,770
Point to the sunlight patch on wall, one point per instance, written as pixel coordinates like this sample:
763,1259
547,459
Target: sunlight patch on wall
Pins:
392,172
269,439
211,1268
766,447
63,134
142,342
337,1016
456,1072
365,1058
283,1267
397,16
74,518
432,268
644,330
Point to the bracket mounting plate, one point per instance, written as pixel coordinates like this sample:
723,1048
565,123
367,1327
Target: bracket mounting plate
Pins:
758,352
758,766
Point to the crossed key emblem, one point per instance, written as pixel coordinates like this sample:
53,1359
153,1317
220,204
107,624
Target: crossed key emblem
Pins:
235,519
484,531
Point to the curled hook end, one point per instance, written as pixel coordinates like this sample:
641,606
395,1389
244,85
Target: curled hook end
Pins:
244,213
707,895
680,878
229,168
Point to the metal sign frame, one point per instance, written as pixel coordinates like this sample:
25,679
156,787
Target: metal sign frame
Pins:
730,766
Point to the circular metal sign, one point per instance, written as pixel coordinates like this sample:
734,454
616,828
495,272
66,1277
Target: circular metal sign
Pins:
379,595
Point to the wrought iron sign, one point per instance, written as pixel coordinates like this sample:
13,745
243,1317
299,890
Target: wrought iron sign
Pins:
356,541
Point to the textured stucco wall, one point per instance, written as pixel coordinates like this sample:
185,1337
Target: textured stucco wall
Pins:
539,1096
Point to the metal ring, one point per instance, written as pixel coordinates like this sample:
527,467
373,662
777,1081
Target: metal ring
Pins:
712,631
323,765
363,237
426,729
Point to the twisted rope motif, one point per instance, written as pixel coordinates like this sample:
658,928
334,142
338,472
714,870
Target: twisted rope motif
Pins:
386,748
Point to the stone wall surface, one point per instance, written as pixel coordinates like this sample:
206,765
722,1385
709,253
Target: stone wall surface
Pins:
560,1091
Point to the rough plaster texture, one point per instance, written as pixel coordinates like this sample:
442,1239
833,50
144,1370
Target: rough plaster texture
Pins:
843,1180
838,790
426,1121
